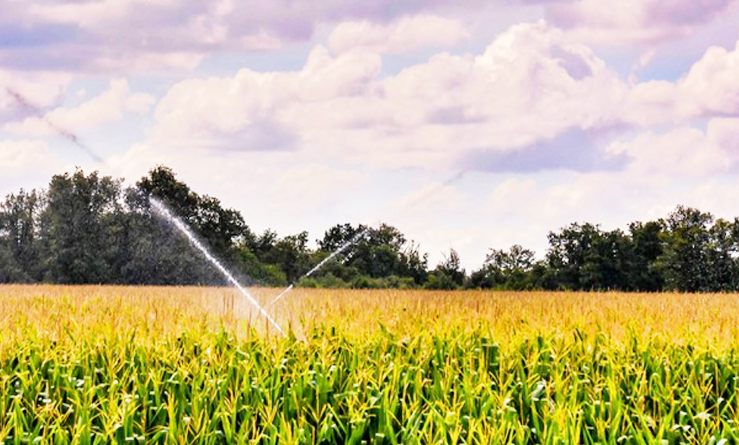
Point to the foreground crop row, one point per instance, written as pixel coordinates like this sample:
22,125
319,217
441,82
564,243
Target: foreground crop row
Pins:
196,382
457,388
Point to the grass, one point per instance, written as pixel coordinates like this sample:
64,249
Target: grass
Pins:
197,365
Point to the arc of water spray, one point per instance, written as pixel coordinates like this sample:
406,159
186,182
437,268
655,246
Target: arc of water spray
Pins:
162,209
39,113
159,206
318,266
356,239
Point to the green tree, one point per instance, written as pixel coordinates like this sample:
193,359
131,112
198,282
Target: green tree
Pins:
684,261
448,274
377,253
505,270
153,252
163,184
19,237
647,247
582,257
372,257
339,236
722,250
292,256
413,265
78,227
222,230
607,262
567,254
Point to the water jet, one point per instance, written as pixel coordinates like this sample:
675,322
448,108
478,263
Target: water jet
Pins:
163,211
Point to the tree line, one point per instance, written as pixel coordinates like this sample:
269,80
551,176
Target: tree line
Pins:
90,229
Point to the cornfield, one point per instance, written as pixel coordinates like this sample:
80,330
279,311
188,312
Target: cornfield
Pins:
88,365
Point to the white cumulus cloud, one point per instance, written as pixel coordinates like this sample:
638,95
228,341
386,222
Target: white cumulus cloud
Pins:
108,107
407,34
529,84
629,22
684,151
26,164
711,86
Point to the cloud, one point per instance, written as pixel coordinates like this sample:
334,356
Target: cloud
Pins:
530,90
21,154
304,187
437,196
26,164
612,198
714,196
629,22
651,103
108,107
684,152
42,89
518,197
532,101
527,199
711,85
405,35
574,149
113,35
708,89
16,35
263,111
165,35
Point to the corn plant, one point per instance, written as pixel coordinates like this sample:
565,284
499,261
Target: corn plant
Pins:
95,365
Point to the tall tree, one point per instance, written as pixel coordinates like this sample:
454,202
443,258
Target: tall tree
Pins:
163,184
413,264
19,237
723,248
684,261
78,226
293,256
505,270
154,252
647,247
583,257
607,262
374,253
448,274
339,235
377,253
567,254
222,230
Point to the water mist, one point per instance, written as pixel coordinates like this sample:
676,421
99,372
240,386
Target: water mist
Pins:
161,209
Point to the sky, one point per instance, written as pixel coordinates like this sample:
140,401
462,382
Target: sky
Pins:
467,124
